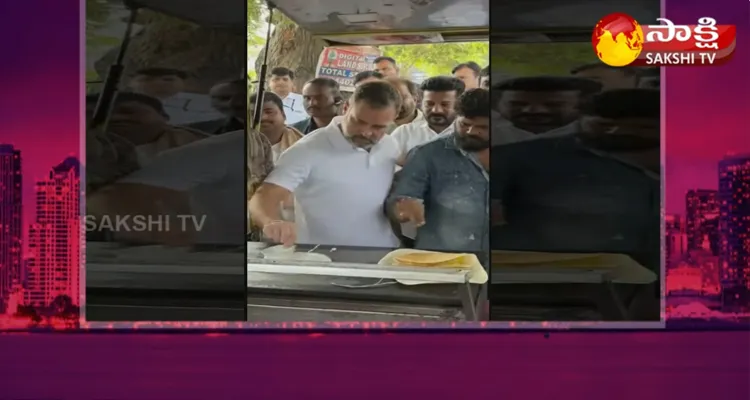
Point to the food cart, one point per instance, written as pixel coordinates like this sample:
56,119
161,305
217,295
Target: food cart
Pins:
354,286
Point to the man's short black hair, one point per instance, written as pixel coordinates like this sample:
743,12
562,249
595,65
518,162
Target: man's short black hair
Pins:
384,58
485,72
474,67
443,84
377,94
624,103
548,84
282,71
367,75
587,67
154,72
269,97
130,97
474,103
330,84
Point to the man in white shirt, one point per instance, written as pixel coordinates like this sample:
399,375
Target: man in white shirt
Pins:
538,106
205,180
340,176
439,95
468,73
281,83
168,85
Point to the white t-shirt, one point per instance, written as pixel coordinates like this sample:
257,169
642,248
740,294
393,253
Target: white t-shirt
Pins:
294,108
416,133
212,172
339,189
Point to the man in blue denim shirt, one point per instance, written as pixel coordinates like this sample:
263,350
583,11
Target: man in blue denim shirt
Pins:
444,185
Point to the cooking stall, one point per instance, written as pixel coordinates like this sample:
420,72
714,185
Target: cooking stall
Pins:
356,285
126,282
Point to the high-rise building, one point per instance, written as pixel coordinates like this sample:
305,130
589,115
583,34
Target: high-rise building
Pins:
701,220
11,222
734,196
55,237
675,239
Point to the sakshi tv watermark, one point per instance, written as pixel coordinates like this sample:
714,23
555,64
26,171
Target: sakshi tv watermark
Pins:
145,223
619,41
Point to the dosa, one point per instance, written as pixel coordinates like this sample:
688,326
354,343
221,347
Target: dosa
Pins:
433,259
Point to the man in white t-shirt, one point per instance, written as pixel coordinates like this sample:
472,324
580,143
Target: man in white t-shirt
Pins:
340,176
281,83
168,85
205,179
439,96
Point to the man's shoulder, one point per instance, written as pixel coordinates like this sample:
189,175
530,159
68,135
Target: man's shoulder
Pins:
438,146
301,125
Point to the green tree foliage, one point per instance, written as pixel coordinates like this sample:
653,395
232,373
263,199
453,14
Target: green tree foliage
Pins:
540,58
438,58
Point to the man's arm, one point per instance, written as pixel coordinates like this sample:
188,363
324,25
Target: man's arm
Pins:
413,181
291,170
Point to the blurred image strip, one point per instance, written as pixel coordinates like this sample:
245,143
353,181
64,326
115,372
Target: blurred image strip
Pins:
166,110
576,172
368,180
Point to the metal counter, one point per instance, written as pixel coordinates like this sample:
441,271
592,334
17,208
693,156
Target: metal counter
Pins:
279,292
159,283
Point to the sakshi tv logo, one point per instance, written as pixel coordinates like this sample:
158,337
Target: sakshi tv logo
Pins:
619,41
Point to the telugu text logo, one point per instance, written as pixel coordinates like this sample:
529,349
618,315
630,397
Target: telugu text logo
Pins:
619,40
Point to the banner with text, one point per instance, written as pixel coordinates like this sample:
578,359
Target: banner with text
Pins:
343,63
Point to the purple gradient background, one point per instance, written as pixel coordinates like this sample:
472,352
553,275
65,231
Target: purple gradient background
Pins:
41,67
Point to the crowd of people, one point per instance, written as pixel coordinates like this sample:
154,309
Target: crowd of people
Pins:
370,169
575,159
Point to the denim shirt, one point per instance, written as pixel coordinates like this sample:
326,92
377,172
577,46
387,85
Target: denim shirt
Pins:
455,190
560,196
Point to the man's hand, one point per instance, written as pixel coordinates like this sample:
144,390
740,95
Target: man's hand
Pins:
281,232
410,210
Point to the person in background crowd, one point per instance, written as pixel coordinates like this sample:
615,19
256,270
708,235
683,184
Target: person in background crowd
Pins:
340,176
409,100
259,164
168,86
439,96
484,78
230,99
443,188
108,158
597,191
609,77
281,83
387,67
141,120
272,124
468,73
538,105
160,83
366,76
322,99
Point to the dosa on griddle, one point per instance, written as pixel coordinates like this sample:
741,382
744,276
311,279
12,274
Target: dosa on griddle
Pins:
433,259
